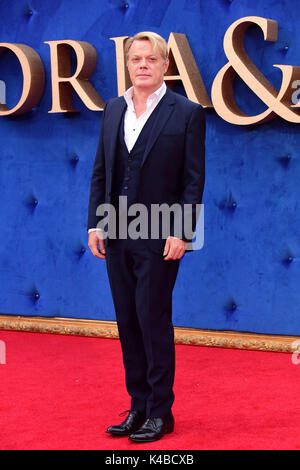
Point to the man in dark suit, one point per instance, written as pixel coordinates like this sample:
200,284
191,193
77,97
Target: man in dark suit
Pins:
150,152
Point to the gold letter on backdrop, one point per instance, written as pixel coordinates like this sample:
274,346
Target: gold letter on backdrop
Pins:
62,81
278,102
33,78
122,72
182,67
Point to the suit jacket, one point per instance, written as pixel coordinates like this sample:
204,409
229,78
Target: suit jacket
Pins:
173,164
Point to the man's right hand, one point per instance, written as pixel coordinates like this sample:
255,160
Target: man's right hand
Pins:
96,244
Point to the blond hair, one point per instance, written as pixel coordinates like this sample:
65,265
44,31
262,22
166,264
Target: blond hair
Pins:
158,42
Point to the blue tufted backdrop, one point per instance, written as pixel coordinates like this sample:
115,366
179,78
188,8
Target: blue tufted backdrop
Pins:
247,276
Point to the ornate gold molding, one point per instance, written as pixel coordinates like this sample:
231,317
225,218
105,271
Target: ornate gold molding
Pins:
191,336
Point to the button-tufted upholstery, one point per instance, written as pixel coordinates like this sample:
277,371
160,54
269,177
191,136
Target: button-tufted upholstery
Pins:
247,275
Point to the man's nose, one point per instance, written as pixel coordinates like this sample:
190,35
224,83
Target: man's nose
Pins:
143,62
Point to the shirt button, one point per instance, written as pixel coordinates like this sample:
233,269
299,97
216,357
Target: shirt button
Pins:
125,187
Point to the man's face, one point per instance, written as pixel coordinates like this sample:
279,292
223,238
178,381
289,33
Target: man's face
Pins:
146,67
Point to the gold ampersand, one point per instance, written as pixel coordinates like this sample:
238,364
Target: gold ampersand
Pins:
278,102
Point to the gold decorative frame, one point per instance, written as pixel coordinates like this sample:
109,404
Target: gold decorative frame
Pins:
190,336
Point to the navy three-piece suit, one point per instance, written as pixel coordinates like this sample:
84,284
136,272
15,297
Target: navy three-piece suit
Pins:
166,165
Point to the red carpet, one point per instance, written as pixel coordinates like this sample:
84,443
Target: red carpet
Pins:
61,392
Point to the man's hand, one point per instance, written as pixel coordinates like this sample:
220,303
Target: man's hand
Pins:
174,248
95,240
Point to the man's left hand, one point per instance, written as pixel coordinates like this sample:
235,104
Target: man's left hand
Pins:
174,248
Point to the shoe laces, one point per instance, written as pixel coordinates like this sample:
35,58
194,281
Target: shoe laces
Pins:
150,421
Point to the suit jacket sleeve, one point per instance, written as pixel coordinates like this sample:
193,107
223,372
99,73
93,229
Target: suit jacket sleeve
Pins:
97,187
193,177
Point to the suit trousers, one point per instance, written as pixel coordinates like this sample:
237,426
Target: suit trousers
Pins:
142,283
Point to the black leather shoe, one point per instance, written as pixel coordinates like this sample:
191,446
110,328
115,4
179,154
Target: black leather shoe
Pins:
153,429
133,421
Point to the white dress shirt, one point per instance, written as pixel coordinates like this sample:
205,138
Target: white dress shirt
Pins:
133,125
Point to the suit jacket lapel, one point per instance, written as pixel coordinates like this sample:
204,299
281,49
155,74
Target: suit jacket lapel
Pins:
114,120
164,112
113,124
